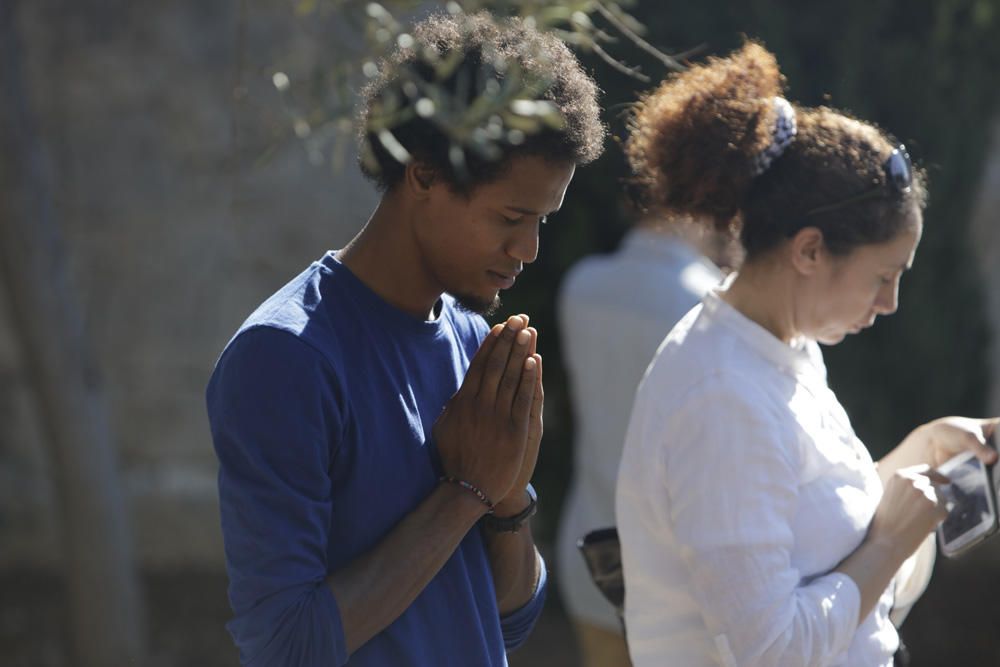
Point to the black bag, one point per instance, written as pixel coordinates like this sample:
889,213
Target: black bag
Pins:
602,552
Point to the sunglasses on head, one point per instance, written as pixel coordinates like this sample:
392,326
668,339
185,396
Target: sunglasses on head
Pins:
898,176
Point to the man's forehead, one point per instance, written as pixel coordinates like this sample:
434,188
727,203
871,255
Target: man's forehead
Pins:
532,186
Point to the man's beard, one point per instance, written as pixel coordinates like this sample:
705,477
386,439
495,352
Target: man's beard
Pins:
476,305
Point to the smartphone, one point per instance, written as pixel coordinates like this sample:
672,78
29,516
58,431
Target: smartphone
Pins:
971,498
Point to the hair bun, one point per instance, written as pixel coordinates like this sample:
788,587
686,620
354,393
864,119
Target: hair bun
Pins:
693,141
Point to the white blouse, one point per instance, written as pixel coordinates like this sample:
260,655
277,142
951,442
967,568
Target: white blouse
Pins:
741,486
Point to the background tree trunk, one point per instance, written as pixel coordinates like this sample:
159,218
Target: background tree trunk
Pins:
105,608
986,247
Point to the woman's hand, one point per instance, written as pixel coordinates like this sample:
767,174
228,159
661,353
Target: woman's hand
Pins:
944,438
935,442
912,506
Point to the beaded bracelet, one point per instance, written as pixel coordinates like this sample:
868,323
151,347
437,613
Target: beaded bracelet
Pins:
470,487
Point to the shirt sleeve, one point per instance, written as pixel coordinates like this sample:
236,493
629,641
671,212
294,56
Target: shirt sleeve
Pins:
517,625
275,424
730,476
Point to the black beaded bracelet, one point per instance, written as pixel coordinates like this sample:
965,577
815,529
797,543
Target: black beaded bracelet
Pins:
470,487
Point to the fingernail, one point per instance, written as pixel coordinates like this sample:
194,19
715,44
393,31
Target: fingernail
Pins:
523,337
529,363
515,323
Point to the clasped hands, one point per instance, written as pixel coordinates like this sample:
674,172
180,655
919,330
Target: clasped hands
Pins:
489,432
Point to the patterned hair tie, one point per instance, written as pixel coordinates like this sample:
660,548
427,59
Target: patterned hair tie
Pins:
781,136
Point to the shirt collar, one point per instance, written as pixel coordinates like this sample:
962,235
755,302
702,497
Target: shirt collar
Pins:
795,358
372,302
657,245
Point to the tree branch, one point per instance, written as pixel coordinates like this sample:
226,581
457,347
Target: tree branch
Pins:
668,61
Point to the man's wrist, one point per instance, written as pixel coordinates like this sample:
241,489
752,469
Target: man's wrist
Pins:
510,515
467,503
512,504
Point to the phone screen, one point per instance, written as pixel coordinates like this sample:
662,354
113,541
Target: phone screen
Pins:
971,512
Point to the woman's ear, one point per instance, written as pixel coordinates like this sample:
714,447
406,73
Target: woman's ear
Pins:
419,179
807,250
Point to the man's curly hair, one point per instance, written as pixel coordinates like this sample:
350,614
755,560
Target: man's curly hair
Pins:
692,144
490,49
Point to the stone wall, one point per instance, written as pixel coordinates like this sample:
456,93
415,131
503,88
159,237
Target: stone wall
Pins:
183,205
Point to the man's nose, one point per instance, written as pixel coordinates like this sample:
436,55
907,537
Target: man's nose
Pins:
523,245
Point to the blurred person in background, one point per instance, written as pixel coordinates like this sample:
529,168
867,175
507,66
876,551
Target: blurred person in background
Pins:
755,528
613,311
375,437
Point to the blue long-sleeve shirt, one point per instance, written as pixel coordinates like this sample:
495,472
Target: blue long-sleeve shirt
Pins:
321,409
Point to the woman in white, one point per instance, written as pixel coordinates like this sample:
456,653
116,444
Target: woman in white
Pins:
755,527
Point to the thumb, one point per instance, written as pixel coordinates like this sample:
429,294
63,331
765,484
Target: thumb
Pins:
990,427
986,451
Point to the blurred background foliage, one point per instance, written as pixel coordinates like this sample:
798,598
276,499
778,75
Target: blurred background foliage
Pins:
320,100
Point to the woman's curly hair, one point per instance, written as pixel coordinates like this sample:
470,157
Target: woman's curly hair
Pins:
490,50
693,141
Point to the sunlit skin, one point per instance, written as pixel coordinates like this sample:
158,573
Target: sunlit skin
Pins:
859,287
479,244
471,246
802,289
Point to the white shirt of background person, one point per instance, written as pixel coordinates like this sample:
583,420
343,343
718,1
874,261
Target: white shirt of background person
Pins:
614,310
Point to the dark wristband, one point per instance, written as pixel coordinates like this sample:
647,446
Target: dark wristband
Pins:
512,524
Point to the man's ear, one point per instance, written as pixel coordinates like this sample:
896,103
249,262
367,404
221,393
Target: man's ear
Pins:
807,250
419,178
